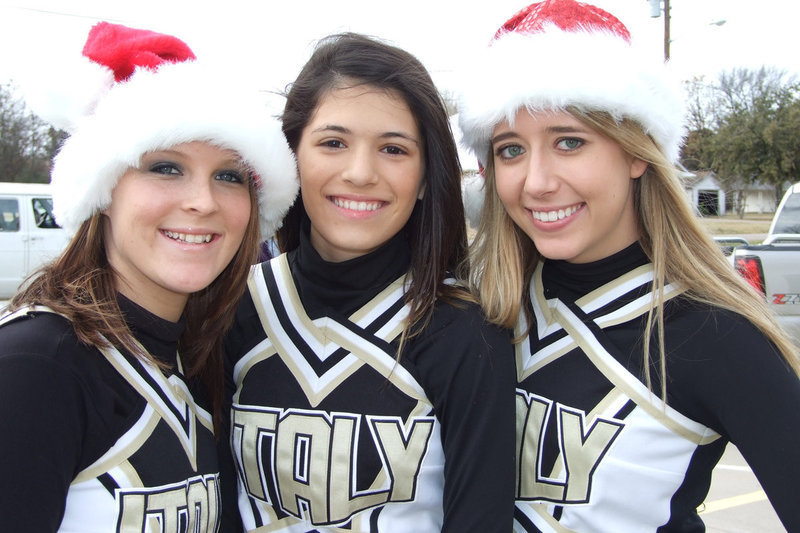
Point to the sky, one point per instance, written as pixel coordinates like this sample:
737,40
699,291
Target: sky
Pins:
271,40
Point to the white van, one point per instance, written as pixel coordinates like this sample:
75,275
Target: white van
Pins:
29,235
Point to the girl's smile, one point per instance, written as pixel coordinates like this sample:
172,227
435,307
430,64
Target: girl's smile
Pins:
569,188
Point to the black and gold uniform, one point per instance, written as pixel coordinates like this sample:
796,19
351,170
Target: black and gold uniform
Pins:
600,452
98,441
331,433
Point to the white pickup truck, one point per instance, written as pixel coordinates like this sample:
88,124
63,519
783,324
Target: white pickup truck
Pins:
29,236
773,267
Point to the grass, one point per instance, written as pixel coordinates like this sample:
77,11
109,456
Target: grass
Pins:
752,223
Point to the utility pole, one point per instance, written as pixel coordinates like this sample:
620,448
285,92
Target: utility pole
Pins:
655,12
666,30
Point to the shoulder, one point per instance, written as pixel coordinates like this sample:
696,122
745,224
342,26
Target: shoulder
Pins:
45,345
457,337
463,318
40,333
246,330
41,359
709,326
714,354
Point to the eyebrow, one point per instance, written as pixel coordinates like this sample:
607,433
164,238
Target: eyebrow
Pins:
550,129
503,136
235,161
385,135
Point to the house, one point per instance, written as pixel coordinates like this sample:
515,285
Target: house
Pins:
704,192
757,197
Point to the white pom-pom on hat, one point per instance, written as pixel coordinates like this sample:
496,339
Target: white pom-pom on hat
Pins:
65,104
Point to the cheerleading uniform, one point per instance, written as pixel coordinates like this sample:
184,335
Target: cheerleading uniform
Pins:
597,451
331,433
99,441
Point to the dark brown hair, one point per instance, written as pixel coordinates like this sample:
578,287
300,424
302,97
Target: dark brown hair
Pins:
436,230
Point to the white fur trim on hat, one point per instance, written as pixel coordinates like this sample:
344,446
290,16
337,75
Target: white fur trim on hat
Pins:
65,104
154,110
550,70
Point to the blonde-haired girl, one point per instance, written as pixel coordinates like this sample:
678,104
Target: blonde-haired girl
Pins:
640,352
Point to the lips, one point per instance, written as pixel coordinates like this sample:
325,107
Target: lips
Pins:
357,205
189,238
555,214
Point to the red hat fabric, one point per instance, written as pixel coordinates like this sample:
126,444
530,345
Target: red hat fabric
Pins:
567,15
150,93
123,49
556,54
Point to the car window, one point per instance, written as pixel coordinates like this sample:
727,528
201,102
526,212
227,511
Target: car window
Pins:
788,220
9,214
43,213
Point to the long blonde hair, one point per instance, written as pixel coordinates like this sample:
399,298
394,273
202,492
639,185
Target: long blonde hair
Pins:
681,250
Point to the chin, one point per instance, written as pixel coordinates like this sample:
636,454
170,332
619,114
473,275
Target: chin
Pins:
190,286
555,252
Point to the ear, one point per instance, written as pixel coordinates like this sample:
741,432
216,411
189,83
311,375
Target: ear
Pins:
638,168
421,193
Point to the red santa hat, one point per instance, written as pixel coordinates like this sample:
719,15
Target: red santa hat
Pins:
560,53
141,91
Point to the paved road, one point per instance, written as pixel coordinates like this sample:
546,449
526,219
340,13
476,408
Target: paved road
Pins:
736,503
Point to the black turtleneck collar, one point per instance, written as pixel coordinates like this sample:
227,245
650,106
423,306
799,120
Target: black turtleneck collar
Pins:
570,281
158,336
345,287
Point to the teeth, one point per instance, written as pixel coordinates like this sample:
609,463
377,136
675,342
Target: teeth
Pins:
552,216
357,206
190,238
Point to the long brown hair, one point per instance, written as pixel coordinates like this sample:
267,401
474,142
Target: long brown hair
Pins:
681,250
437,227
80,285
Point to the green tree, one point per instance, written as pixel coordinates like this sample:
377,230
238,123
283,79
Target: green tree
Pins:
746,128
27,143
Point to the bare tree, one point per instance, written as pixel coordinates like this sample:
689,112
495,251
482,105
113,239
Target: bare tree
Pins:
27,143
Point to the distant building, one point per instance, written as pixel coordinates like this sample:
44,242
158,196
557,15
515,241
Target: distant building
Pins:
709,198
758,198
704,192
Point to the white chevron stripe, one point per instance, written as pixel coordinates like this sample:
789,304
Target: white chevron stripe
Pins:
325,336
184,412
181,415
633,387
608,293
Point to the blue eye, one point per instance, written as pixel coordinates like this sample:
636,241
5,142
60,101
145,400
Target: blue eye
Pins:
510,151
570,143
165,168
231,177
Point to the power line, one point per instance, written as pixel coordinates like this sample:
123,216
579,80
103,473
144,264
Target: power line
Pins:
60,13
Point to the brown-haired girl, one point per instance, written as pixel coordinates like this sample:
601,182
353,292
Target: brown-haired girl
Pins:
110,356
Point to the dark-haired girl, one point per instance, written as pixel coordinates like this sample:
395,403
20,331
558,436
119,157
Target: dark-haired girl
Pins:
368,391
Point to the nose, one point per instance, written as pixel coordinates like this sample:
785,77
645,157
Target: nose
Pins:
360,169
540,179
200,195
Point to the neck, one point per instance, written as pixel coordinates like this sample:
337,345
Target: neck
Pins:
168,306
